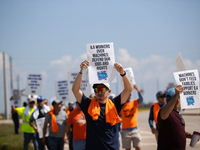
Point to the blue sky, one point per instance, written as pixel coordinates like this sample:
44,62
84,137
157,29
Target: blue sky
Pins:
50,37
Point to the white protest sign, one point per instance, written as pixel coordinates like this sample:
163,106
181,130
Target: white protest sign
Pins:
129,73
190,82
40,126
16,98
62,90
15,103
102,59
179,63
86,88
34,84
16,94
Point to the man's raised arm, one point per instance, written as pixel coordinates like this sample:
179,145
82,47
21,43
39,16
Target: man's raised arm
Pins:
164,114
127,83
77,83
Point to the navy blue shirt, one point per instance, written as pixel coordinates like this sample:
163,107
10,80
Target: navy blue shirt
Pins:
99,134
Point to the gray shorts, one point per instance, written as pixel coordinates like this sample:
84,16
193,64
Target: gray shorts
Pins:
131,135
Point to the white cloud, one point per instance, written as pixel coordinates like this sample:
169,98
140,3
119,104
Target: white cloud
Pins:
126,59
63,61
189,65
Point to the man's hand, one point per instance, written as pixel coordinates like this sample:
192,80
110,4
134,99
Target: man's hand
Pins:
35,128
119,68
43,140
153,130
65,139
84,64
178,89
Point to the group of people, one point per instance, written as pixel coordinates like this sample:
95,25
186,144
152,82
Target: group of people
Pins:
95,122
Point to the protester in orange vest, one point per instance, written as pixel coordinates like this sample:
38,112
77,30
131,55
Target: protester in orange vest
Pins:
56,119
130,131
101,113
77,119
160,96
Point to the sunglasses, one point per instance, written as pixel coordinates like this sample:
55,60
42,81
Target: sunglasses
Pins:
103,90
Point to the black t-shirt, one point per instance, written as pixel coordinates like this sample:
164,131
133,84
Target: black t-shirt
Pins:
171,132
99,134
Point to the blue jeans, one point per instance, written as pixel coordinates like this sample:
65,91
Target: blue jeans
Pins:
56,143
28,137
79,144
40,145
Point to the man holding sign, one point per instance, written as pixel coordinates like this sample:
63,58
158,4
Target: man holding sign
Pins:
171,125
102,113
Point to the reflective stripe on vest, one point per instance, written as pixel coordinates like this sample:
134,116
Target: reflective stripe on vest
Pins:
25,123
156,108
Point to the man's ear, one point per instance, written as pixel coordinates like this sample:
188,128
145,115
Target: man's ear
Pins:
109,91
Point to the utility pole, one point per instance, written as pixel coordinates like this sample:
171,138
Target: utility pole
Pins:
5,88
11,78
18,86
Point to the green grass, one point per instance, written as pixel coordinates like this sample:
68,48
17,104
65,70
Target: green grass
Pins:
143,109
11,141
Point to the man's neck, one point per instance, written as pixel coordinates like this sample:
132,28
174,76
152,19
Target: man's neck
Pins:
102,101
56,111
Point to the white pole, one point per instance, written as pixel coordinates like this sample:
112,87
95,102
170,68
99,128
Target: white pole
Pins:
5,88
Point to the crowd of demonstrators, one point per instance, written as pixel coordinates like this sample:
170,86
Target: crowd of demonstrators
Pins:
29,132
154,109
102,114
171,125
96,121
130,131
77,119
39,113
55,119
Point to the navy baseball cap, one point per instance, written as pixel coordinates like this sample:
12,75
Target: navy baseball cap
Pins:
160,93
170,94
40,98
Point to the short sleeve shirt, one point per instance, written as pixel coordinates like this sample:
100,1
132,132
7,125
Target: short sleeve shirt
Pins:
77,119
101,135
61,118
171,132
129,114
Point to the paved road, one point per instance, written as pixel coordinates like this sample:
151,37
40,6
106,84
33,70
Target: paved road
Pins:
148,139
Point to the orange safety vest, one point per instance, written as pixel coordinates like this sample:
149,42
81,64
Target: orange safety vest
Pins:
67,111
54,125
156,108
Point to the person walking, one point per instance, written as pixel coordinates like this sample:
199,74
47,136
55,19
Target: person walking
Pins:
38,116
29,132
154,109
55,119
102,114
77,119
15,118
171,125
70,133
130,131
